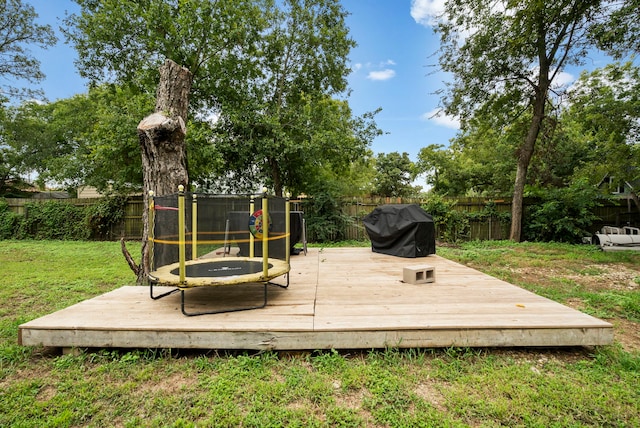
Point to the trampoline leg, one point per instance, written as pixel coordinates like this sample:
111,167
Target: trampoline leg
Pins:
222,311
160,295
281,285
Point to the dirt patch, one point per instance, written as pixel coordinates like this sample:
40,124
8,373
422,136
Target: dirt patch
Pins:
429,393
592,278
171,384
607,277
627,333
352,399
46,393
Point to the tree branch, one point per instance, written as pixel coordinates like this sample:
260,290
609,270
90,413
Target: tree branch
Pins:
132,264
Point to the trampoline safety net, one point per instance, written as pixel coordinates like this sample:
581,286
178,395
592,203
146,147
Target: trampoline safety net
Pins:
225,225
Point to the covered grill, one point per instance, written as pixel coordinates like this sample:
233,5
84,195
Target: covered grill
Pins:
403,230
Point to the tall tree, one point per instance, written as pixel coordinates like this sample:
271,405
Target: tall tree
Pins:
197,52
19,32
509,54
291,123
88,139
394,174
130,42
605,110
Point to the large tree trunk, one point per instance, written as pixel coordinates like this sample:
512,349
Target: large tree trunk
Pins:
275,176
525,153
162,142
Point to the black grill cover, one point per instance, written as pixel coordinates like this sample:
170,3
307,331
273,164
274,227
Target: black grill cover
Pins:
403,230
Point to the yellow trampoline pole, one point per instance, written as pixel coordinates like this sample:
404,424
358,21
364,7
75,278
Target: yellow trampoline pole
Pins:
252,207
181,238
287,227
152,227
265,235
194,227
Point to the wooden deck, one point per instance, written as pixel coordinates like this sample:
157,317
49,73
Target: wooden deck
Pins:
341,298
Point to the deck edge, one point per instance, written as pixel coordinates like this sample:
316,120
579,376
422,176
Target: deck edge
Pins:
279,340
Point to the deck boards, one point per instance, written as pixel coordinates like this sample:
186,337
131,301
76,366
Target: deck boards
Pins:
338,298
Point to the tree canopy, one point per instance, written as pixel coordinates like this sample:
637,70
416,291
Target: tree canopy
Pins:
505,56
293,124
88,139
394,174
18,33
267,80
605,111
127,42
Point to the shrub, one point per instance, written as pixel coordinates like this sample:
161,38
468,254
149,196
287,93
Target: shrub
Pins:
60,219
325,219
53,220
451,224
103,215
9,221
563,214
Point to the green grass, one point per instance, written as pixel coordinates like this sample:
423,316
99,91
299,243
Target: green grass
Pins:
455,387
341,244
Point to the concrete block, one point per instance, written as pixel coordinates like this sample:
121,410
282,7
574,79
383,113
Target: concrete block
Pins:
419,274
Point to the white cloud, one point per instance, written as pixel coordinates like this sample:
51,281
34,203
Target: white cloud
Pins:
426,12
431,12
357,66
381,74
441,119
563,80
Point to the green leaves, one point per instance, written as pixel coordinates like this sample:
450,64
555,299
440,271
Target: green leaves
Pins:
563,214
394,175
88,139
127,42
604,115
269,71
18,33
289,128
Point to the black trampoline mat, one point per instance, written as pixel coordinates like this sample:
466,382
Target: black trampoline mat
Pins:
218,268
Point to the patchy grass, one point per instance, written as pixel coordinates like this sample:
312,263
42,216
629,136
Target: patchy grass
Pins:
454,387
341,244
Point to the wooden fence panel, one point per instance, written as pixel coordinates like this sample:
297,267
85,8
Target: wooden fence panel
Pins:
615,214
620,214
132,222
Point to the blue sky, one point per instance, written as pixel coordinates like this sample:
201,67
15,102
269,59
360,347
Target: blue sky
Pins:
390,66
391,70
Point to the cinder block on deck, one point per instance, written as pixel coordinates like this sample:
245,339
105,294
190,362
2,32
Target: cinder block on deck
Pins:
419,274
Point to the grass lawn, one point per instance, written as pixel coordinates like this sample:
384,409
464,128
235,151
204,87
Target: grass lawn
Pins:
415,387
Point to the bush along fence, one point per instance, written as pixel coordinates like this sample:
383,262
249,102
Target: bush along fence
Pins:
459,219
71,219
328,219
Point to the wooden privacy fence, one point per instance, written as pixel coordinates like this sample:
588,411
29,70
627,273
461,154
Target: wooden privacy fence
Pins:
491,228
129,228
484,228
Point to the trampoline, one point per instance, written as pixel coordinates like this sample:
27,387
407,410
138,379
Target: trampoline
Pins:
179,235
222,271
